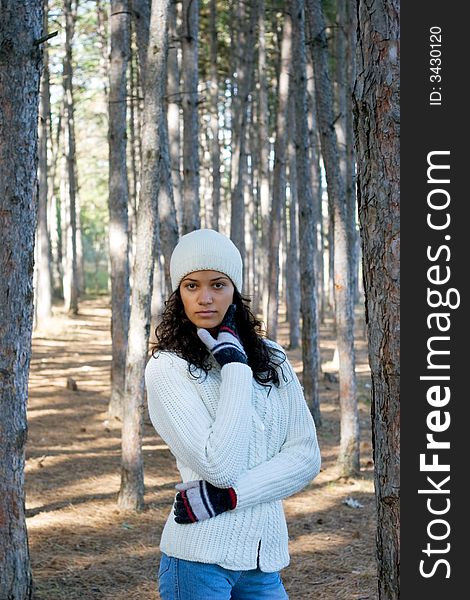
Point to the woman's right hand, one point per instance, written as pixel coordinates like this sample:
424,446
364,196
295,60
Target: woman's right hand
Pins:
227,347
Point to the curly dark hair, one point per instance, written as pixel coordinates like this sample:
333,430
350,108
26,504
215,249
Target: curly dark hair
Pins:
176,333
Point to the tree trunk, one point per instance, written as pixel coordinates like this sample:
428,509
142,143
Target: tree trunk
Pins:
118,200
340,87
140,10
354,238
173,114
252,224
264,147
283,299
168,227
248,193
190,100
279,179
166,207
292,270
246,18
56,248
206,175
134,143
378,154
315,174
307,225
348,459
79,239
70,184
54,220
345,74
325,219
131,494
44,274
102,27
214,117
21,26
233,122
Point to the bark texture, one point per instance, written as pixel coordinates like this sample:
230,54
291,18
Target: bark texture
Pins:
315,171
118,200
43,251
279,178
20,65
307,225
131,494
348,459
168,237
214,118
264,148
292,260
246,18
190,101
69,196
378,158
173,113
167,212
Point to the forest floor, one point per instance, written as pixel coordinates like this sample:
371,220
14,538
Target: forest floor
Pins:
84,547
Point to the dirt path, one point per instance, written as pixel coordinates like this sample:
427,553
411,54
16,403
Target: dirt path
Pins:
83,547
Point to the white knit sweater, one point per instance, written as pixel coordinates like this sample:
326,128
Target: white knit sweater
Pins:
227,429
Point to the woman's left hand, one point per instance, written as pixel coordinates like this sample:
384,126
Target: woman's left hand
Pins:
200,500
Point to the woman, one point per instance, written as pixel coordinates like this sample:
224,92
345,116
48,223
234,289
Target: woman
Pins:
231,409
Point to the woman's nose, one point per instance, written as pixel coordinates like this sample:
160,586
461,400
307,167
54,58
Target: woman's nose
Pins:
205,297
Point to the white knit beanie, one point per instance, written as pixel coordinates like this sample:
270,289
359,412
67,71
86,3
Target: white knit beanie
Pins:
206,250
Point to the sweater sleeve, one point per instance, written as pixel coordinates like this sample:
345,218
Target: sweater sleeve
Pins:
296,464
215,448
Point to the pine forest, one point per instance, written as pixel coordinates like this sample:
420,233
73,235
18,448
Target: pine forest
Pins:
125,125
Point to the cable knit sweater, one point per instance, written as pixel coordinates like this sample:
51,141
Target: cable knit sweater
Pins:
233,432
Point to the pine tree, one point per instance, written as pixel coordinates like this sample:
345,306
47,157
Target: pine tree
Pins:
131,494
118,200
21,29
378,159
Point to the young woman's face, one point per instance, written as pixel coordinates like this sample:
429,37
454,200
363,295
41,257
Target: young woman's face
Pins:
206,296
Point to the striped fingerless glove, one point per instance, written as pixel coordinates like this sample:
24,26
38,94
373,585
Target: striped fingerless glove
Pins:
200,500
227,348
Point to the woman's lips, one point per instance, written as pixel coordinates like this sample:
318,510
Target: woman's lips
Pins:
206,313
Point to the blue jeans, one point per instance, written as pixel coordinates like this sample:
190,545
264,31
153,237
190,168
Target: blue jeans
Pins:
185,580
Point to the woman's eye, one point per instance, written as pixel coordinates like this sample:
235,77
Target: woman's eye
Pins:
219,286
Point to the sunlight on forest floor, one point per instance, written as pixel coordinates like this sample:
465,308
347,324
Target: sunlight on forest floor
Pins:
83,547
